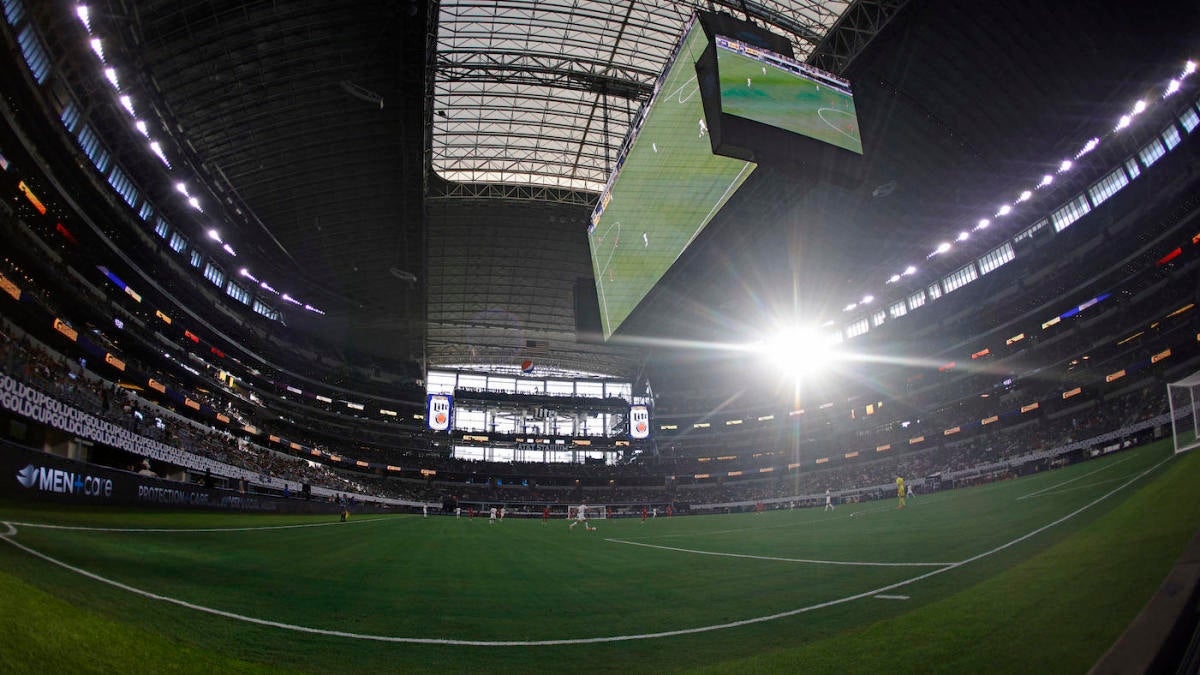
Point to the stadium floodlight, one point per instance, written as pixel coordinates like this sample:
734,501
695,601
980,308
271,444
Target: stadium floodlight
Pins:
141,127
1139,107
181,189
910,270
111,74
156,148
799,353
98,47
194,203
1065,166
267,287
85,16
893,279
868,299
1025,196
982,224
962,236
214,235
1004,210
1088,147
1172,87
229,250
1046,180
127,103
1123,122
850,307
1189,68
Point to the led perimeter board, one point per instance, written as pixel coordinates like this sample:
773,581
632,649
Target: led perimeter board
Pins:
762,86
667,186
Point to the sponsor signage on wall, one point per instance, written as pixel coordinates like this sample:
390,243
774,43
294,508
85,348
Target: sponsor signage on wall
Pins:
439,408
639,421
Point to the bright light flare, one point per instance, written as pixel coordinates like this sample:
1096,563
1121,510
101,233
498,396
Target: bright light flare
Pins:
1004,210
910,270
98,47
85,16
1046,180
943,247
111,74
799,353
1065,166
1172,87
1025,196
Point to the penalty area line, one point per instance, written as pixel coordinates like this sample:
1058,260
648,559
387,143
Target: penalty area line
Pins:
849,563
574,641
1068,482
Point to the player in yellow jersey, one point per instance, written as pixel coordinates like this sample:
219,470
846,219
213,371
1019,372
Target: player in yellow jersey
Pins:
900,491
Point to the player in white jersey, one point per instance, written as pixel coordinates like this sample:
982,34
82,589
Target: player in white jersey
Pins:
828,500
581,517
492,516
502,510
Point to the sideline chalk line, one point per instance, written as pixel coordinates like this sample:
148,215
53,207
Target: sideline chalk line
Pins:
575,641
178,530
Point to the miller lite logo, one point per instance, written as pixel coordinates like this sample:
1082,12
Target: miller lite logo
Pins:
439,406
639,421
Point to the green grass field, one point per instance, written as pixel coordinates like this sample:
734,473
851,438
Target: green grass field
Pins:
1036,574
669,188
763,93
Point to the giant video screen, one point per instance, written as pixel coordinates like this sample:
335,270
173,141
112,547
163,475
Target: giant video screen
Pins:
666,189
762,86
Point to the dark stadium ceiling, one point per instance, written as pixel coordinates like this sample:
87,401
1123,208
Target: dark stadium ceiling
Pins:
427,169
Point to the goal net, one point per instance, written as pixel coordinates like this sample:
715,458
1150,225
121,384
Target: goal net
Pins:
590,511
1183,397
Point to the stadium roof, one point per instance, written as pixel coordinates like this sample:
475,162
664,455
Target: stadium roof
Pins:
542,92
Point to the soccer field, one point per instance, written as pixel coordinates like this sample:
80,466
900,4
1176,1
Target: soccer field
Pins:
1040,573
669,188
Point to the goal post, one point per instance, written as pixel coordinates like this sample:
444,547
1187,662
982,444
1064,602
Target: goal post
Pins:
1183,397
590,511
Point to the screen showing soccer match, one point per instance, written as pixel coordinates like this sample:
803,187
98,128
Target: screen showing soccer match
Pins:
762,86
667,187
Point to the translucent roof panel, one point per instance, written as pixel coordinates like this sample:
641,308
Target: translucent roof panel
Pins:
542,92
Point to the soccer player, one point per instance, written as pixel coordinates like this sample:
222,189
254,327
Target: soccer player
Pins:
900,491
581,517
828,500
908,490
492,516
424,510
643,515
502,511
458,512
545,514
703,128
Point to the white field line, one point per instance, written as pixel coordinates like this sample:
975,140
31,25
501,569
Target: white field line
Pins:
891,597
184,530
1067,482
1081,487
741,530
574,641
850,563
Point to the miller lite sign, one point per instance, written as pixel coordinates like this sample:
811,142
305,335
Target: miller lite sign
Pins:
639,421
437,411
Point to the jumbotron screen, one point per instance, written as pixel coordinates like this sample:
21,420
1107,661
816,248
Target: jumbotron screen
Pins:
666,189
762,86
